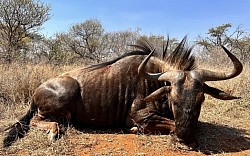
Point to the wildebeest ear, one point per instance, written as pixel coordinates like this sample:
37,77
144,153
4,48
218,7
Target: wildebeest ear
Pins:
217,93
159,93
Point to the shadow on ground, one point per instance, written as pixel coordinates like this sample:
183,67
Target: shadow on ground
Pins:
216,139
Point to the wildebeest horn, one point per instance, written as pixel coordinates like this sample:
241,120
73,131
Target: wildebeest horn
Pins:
214,76
166,76
141,69
159,93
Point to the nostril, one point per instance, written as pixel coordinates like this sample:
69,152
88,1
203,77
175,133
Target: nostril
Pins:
189,140
193,145
182,144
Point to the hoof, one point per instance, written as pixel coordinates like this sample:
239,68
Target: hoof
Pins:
53,131
134,130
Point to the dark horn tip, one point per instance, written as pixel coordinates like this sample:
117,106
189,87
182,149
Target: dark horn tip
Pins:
238,65
141,68
225,49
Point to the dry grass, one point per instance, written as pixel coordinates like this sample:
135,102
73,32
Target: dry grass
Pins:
224,127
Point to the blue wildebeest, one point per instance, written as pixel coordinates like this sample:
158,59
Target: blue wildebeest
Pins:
144,93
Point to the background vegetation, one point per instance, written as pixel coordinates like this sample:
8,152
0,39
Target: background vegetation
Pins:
88,42
28,58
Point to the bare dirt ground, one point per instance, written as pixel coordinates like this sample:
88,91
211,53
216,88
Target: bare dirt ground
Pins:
228,141
224,127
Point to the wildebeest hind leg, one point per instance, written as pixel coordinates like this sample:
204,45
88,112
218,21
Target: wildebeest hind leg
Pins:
56,100
52,128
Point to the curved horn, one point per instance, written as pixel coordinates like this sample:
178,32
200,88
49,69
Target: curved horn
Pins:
167,76
213,76
141,69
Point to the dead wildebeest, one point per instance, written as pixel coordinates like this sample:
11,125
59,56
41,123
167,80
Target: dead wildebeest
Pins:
155,95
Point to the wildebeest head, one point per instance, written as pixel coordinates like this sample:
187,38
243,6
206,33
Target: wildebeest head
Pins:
186,87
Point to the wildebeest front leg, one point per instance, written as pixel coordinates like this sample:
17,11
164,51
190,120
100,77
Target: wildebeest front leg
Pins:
148,120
